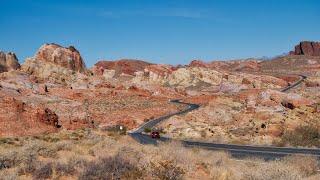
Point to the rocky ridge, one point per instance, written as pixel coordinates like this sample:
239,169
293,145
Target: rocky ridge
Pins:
8,62
123,66
308,48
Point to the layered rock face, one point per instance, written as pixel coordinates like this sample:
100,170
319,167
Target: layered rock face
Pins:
251,116
235,65
55,63
66,57
8,62
123,66
182,77
201,77
48,71
308,48
198,63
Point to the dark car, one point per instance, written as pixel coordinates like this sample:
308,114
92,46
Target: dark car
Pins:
155,135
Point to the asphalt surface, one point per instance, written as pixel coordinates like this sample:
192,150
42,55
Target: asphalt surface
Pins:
238,151
302,77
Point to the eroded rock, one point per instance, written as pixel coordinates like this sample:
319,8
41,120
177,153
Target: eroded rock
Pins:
66,57
8,62
308,48
49,117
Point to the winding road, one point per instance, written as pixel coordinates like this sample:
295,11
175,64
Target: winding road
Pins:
238,151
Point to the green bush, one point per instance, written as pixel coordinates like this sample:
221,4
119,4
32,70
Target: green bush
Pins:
147,130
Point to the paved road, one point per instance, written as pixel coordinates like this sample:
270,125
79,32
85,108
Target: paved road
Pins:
238,151
302,77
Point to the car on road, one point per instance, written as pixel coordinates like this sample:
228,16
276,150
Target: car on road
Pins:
155,135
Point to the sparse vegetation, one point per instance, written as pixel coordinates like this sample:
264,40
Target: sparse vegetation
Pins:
43,171
167,170
114,167
302,136
96,155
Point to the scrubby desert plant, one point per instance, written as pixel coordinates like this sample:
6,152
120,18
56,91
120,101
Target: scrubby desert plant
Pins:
305,165
43,171
147,130
167,170
8,174
271,171
64,169
302,136
8,160
15,158
114,167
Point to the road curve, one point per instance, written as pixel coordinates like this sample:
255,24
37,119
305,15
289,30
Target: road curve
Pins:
266,152
302,78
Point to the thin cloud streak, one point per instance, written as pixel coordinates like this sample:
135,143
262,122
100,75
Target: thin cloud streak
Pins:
175,12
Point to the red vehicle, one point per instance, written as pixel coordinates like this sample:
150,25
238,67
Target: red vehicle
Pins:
155,135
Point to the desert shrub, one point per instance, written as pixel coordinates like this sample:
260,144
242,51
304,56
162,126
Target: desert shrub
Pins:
290,167
8,160
302,136
63,146
49,138
40,148
7,140
271,171
28,165
8,174
306,165
147,130
14,158
114,167
64,169
120,129
166,170
221,173
77,161
43,171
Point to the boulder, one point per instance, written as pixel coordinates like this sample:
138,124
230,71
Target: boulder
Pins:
8,62
66,57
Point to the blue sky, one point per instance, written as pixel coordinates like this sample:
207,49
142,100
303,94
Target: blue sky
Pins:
160,31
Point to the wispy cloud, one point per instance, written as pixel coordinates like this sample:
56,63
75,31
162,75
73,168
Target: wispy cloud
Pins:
168,12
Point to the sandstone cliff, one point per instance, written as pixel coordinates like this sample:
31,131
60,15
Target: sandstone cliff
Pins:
66,57
8,62
308,48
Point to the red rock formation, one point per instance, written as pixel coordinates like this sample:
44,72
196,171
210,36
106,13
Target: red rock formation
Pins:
125,66
66,57
48,117
197,63
18,118
8,62
160,69
308,48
